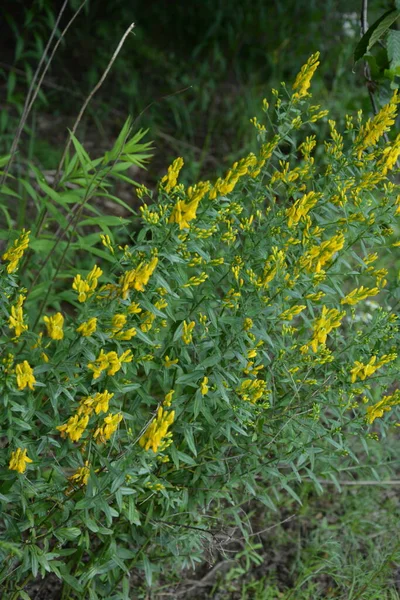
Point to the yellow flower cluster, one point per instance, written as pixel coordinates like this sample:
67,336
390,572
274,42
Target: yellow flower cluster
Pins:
303,79
74,428
86,287
374,128
318,255
105,240
110,425
186,211
227,184
25,377
14,254
385,405
54,326
330,319
252,390
389,157
97,403
87,327
156,435
274,263
168,362
187,334
204,386
81,475
19,460
109,362
358,295
117,328
169,181
16,320
138,278
290,313
196,280
334,148
76,425
301,207
362,371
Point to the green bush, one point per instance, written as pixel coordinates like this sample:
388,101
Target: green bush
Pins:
226,353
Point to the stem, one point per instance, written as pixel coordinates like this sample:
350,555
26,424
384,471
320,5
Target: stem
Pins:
28,104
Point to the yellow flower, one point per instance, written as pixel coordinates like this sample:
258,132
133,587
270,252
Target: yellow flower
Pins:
137,278
134,308
289,314
320,254
301,207
168,398
359,294
110,425
187,331
110,362
97,403
16,320
252,390
25,377
329,320
169,181
126,335
14,254
168,362
274,263
118,322
157,431
105,240
148,319
362,371
54,325
385,405
19,460
375,128
224,186
390,155
248,324
81,475
186,211
86,287
203,386
87,327
74,428
303,79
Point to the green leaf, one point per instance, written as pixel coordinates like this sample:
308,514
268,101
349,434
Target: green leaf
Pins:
81,152
120,142
393,48
148,572
133,515
107,221
374,33
292,493
67,533
4,160
190,440
23,595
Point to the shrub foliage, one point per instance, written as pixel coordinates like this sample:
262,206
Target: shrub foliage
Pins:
243,339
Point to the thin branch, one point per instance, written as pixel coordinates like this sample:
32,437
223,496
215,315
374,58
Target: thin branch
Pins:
359,482
90,96
27,105
63,33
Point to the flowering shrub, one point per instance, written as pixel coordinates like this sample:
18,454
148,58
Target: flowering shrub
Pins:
225,354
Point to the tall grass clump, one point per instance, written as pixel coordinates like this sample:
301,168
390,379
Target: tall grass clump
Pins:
221,352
